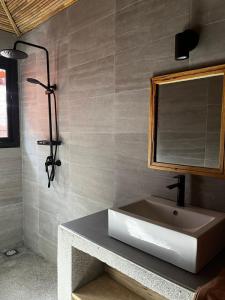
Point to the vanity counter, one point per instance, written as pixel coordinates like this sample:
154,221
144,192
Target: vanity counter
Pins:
84,244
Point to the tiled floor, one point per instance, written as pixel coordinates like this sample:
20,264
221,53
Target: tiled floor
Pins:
27,276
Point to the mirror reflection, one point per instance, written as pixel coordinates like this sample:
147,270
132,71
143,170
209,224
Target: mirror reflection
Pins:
188,122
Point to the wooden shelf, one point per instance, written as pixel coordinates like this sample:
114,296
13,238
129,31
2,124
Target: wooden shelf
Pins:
113,285
104,288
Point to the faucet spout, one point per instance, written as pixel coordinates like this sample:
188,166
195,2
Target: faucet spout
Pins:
172,186
180,185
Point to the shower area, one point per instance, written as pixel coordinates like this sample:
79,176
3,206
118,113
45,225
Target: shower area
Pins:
27,268
56,172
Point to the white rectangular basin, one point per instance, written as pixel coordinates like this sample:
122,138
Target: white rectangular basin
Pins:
187,237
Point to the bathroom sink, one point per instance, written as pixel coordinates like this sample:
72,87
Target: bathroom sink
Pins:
188,237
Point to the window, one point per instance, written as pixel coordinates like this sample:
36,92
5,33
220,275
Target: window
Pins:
9,110
3,105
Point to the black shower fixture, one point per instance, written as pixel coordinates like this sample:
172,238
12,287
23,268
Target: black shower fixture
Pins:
185,42
51,161
35,81
48,90
13,53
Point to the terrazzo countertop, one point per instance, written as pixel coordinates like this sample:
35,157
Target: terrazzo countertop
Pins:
90,235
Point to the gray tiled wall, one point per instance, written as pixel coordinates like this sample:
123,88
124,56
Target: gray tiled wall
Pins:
11,209
103,53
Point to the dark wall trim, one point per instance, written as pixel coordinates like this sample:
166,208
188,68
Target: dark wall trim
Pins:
12,103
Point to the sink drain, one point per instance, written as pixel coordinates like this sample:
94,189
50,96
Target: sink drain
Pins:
11,252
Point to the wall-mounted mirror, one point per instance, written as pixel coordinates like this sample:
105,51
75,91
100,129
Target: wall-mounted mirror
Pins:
186,122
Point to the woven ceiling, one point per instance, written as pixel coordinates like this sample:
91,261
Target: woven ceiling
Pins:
20,16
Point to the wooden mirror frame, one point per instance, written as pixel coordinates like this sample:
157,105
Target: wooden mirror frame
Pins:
178,77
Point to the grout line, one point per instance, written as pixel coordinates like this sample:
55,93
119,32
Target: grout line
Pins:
119,11
92,22
190,14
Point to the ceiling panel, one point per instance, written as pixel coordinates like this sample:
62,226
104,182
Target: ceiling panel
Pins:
27,14
4,21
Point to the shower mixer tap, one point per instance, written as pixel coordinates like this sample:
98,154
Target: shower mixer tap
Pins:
50,162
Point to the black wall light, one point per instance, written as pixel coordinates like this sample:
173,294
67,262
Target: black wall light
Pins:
185,42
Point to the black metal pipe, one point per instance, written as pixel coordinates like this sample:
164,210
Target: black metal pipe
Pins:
40,47
49,86
51,159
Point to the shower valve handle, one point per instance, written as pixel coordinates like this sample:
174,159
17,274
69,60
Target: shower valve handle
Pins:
48,162
58,163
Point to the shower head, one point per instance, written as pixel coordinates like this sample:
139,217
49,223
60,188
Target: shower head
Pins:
49,89
13,54
35,81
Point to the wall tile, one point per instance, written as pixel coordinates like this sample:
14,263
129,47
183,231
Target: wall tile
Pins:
121,4
92,183
211,46
10,238
141,51
92,115
137,73
49,27
30,219
29,170
30,193
11,217
47,249
10,201
10,225
93,42
142,19
131,151
93,150
208,192
85,12
93,79
48,226
131,112
12,193
79,206
206,11
102,59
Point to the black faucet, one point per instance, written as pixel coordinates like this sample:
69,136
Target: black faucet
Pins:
180,189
